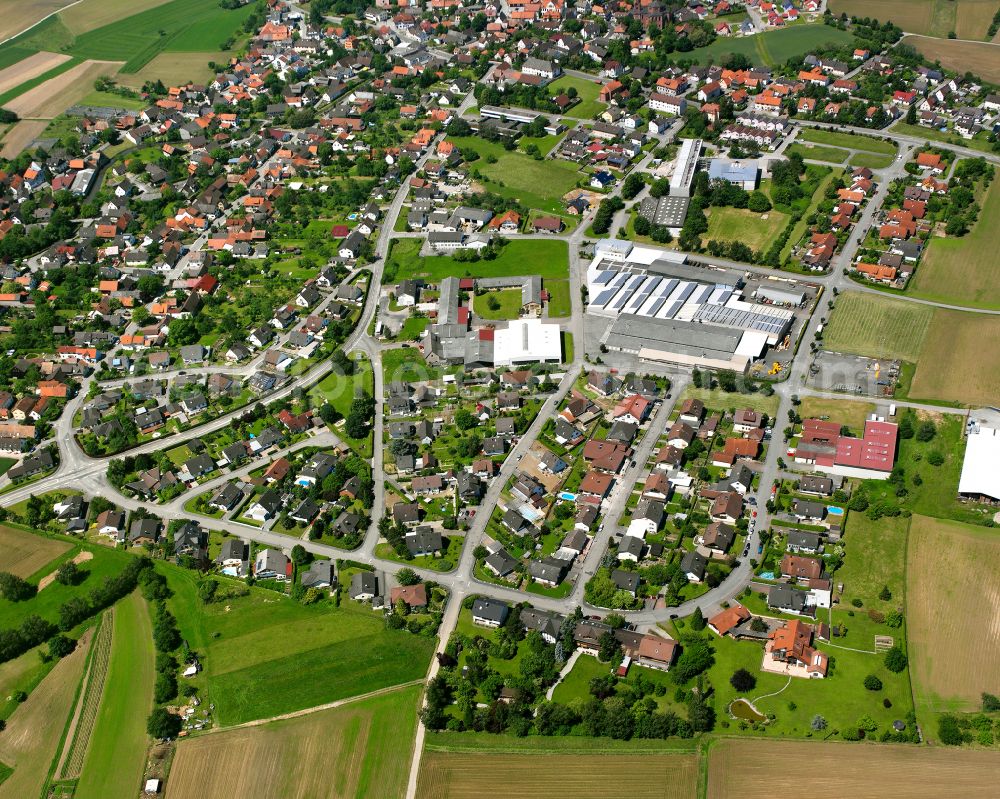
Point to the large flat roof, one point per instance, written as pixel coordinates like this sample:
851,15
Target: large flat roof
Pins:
981,468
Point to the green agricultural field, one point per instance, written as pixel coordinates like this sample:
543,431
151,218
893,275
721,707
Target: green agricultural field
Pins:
851,141
547,258
880,327
739,224
116,755
832,155
587,91
536,184
265,654
176,26
964,271
361,750
773,47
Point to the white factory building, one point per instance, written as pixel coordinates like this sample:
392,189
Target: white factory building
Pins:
527,341
980,480
667,310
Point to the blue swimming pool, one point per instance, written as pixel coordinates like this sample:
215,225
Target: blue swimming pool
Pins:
766,575
567,496
832,510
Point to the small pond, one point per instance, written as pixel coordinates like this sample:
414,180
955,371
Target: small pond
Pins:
742,709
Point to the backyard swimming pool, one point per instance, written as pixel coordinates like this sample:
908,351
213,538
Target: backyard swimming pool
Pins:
567,496
832,510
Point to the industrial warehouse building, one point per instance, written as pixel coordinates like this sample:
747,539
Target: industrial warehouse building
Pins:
667,310
980,480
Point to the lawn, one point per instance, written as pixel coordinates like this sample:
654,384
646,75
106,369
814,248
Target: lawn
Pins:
963,271
817,152
361,750
576,684
757,231
649,775
872,160
932,134
340,391
560,304
111,100
851,141
747,769
265,654
507,304
116,755
773,47
546,258
880,327
945,614
587,91
25,553
408,365
536,184
853,413
33,734
721,400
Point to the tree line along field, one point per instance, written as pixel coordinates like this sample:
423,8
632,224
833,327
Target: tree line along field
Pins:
956,352
360,750
760,769
964,271
953,606
651,775
264,654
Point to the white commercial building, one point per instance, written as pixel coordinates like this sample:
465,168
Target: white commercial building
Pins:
981,469
527,341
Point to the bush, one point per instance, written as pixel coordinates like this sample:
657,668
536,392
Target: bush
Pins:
857,602
818,723
991,703
949,732
873,683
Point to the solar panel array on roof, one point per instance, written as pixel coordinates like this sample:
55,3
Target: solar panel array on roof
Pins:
605,276
742,319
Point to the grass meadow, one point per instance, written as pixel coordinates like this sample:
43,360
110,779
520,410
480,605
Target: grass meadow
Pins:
116,754
548,258
264,654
